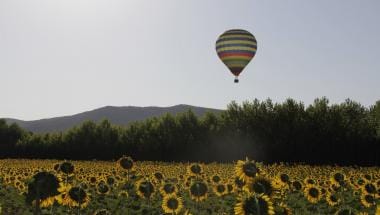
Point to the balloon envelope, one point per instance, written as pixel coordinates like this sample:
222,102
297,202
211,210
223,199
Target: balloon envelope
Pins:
236,48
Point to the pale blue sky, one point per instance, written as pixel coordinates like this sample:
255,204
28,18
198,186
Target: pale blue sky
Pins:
61,57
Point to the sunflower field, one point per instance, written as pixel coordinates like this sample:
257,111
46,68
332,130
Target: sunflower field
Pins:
128,187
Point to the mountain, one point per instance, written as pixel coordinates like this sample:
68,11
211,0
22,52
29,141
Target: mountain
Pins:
116,115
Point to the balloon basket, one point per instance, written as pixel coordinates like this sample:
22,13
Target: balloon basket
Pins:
236,80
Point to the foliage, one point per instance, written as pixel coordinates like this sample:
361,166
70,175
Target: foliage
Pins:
353,189
320,133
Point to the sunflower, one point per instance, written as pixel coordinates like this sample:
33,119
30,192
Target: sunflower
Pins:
67,168
215,179
283,179
102,188
378,210
332,199
198,190
368,200
254,205
246,170
309,181
312,193
172,204
125,163
77,197
168,188
338,178
145,188
297,185
195,169
260,185
369,188
220,190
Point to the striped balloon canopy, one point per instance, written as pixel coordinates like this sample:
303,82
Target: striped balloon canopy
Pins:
236,48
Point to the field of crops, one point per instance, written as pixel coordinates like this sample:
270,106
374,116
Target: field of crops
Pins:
127,187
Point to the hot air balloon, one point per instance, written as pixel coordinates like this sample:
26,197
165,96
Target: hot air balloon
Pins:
236,48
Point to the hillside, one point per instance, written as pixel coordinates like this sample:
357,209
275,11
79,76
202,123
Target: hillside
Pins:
116,115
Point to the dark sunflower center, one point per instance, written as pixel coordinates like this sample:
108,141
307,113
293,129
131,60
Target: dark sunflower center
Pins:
92,179
220,188
103,188
126,163
370,199
313,192
215,178
333,198
146,188
169,188
172,203
250,169
258,188
370,188
338,177
77,194
284,178
297,185
158,176
198,189
67,167
254,205
196,169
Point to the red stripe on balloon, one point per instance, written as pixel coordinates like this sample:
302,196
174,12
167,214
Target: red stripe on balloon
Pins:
235,55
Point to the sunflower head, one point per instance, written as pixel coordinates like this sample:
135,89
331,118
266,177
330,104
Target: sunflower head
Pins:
67,168
312,193
297,185
284,178
168,188
125,163
77,197
195,169
216,179
332,199
369,188
145,188
198,190
368,200
102,188
254,204
220,189
246,170
42,186
338,178
260,185
172,204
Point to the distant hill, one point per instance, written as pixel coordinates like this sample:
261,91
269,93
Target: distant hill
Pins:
116,115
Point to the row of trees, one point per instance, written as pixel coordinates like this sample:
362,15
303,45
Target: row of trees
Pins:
346,134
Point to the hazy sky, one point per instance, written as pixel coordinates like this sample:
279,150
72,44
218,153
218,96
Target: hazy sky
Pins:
61,57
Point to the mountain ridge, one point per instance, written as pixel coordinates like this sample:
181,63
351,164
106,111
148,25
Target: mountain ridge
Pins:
119,115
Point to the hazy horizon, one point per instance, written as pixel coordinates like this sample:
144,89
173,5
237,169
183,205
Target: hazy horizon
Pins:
61,58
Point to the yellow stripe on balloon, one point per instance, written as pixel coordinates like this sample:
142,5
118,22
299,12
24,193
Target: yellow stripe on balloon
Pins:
236,35
240,48
229,42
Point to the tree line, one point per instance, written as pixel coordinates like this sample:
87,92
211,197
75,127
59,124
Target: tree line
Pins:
321,133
